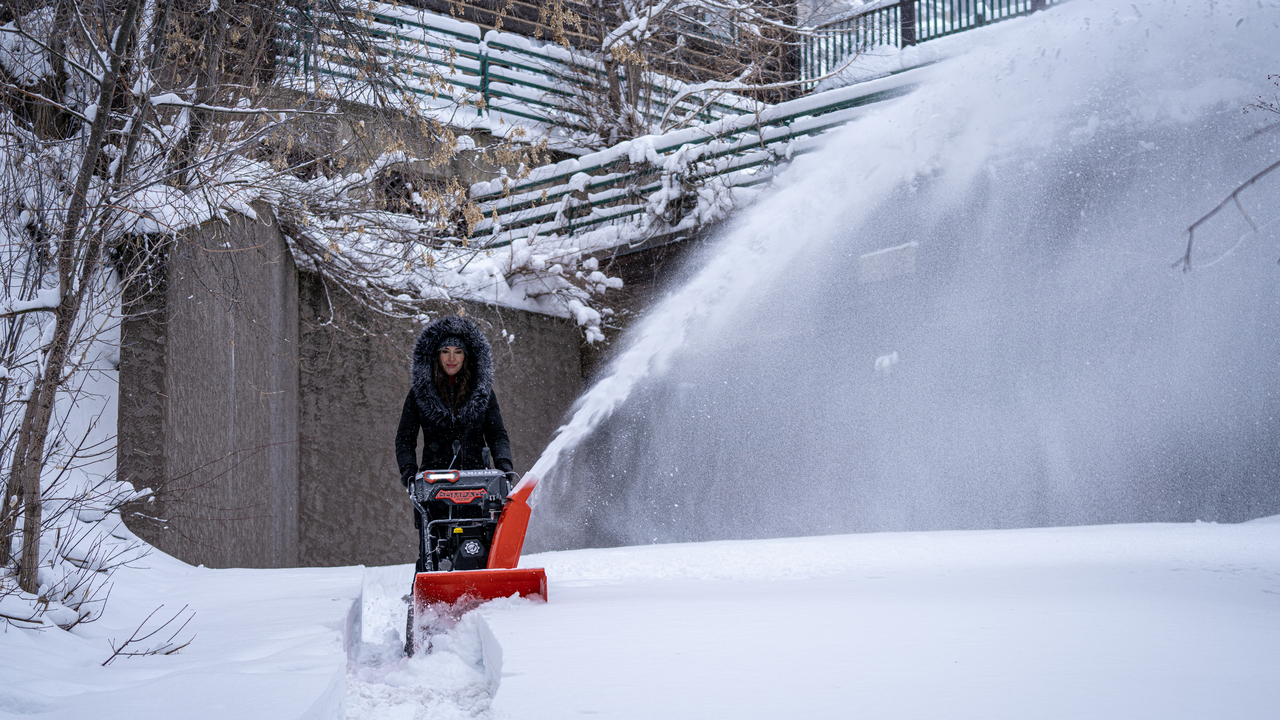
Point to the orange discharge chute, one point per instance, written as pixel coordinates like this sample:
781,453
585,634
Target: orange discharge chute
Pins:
501,578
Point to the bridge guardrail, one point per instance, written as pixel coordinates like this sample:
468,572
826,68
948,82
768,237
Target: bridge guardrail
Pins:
617,184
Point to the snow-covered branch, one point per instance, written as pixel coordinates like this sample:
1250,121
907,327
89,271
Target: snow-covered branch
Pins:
46,300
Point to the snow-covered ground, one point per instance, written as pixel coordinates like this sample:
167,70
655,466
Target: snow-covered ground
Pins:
1123,621
263,644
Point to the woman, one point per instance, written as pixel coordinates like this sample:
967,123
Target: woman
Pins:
451,401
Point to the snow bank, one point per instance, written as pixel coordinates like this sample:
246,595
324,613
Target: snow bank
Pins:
249,643
1162,620
268,644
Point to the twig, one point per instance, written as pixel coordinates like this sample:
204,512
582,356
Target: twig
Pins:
165,648
1185,260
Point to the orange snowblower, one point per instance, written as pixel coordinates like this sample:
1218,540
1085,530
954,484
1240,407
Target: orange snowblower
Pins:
473,531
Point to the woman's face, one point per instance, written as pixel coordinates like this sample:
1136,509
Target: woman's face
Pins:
451,359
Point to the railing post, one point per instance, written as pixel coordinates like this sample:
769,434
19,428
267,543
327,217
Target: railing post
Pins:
1038,5
484,76
907,22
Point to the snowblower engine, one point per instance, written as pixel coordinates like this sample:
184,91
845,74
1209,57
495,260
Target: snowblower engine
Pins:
464,507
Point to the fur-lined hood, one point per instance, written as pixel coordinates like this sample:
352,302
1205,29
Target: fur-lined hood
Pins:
479,357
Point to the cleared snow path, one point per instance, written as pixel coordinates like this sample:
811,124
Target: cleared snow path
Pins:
1125,621
452,681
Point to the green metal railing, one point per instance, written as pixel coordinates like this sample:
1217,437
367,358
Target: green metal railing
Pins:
900,23
448,62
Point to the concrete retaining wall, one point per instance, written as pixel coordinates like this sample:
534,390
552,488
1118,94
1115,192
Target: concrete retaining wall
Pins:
208,411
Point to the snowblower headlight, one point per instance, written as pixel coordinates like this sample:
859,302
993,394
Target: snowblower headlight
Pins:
449,476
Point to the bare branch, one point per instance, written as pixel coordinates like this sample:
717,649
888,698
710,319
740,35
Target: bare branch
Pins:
169,646
1234,197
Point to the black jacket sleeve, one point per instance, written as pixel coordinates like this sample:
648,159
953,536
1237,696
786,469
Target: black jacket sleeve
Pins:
407,439
495,435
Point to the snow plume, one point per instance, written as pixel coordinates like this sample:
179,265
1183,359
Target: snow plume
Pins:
1051,366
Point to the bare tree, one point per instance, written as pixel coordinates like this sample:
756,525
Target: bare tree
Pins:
1267,105
77,250
134,645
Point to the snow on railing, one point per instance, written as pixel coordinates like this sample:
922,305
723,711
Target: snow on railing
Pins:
450,63
657,184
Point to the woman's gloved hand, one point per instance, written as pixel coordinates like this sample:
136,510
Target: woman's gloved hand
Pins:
505,466
406,476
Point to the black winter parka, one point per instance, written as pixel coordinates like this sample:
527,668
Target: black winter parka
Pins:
476,424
